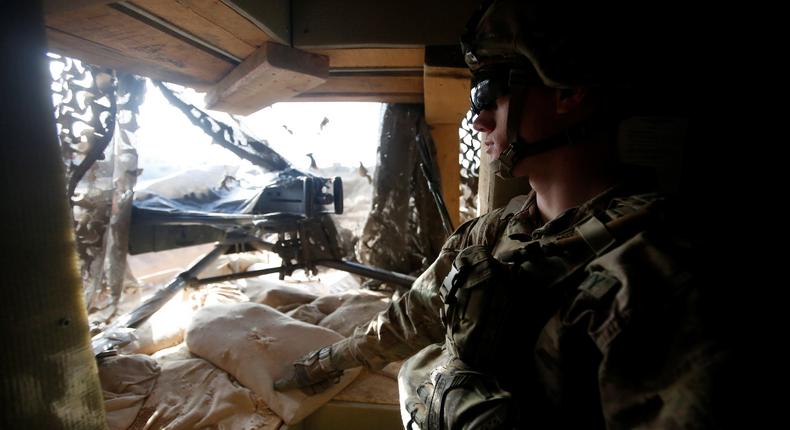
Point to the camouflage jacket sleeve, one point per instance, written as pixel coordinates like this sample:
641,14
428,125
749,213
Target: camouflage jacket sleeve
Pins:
412,322
647,315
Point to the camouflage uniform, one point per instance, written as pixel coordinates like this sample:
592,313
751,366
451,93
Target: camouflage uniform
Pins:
629,343
628,348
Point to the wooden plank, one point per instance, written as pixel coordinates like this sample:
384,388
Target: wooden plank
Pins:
273,73
180,14
108,27
385,58
228,18
448,148
94,53
362,84
446,104
359,97
212,21
446,94
367,88
60,6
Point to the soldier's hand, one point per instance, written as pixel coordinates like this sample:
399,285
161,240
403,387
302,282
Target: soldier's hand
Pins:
457,397
313,373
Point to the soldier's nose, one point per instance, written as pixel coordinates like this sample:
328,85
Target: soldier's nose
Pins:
484,122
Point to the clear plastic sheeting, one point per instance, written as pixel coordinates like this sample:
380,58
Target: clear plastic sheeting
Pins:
226,196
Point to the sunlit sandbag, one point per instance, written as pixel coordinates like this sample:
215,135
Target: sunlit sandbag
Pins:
257,345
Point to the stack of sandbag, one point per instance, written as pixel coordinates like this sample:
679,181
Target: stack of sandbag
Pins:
257,345
355,311
194,394
126,382
276,294
167,327
343,312
178,393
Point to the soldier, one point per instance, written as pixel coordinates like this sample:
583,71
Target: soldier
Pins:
576,306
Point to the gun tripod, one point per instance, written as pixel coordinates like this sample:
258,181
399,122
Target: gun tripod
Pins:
302,243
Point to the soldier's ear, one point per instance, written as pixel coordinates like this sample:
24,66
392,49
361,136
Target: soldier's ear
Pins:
569,100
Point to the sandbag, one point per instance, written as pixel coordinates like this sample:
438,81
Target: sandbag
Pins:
357,311
194,394
174,353
331,302
275,294
257,345
167,327
126,382
308,313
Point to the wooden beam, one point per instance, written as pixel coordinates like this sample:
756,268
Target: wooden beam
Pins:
446,104
404,98
367,84
446,94
212,22
60,6
137,41
273,73
229,19
374,58
95,53
445,138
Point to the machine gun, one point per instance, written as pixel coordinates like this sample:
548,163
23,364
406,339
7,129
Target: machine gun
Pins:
289,218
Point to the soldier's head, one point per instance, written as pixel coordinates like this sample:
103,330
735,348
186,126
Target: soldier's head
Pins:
545,74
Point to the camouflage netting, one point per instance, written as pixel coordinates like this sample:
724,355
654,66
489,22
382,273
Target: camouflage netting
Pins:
96,117
470,167
403,232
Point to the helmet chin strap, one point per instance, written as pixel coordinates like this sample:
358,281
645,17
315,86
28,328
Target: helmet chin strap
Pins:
519,149
503,165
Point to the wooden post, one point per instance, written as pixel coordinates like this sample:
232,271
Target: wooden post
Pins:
446,104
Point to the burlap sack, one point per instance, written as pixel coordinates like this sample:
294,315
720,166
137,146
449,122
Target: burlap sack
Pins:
174,353
308,313
194,394
257,345
357,310
126,382
275,294
167,326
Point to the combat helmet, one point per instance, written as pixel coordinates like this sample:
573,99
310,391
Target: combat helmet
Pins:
512,44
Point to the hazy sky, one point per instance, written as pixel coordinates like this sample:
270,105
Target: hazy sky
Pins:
167,141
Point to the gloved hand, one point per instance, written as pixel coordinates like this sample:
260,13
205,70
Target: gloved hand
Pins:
313,373
457,397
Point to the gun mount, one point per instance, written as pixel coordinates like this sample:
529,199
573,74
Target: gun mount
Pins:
289,218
